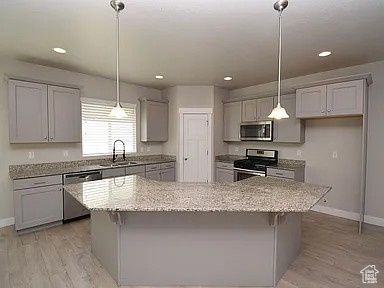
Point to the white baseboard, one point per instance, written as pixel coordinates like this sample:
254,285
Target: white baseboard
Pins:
348,215
7,222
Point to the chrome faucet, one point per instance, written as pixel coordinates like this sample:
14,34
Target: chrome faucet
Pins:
114,150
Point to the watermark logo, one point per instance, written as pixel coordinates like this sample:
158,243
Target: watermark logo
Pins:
369,274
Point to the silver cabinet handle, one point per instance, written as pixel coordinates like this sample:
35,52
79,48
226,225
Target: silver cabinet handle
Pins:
45,137
59,189
51,137
39,183
329,110
322,111
277,173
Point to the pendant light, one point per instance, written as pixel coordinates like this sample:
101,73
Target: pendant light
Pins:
117,110
279,112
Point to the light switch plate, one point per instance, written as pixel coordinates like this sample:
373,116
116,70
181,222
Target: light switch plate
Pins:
31,155
298,152
65,153
141,149
334,154
149,149
237,149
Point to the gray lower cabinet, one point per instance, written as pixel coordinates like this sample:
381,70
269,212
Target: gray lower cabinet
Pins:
114,172
161,172
38,201
168,175
291,130
154,175
297,174
224,172
41,113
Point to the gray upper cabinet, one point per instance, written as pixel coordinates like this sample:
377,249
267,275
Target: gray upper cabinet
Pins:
28,112
232,120
41,113
345,98
264,108
64,111
291,130
339,99
153,121
311,102
249,110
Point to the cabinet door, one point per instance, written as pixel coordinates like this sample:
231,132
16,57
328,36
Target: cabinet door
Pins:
154,175
264,108
28,113
292,129
168,175
224,175
38,206
345,98
111,173
311,102
154,121
232,120
64,110
248,113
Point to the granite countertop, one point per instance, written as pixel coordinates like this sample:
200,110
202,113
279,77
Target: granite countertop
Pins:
57,168
256,194
286,164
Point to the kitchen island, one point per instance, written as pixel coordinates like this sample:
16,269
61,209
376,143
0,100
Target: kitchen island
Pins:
150,233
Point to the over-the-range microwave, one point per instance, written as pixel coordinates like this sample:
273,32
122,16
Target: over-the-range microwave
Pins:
256,131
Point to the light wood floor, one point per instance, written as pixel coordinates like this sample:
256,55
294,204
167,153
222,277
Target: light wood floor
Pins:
332,256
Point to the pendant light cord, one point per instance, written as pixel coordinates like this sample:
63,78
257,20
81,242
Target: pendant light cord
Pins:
117,59
280,51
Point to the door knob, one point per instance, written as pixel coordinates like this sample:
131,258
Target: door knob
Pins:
185,159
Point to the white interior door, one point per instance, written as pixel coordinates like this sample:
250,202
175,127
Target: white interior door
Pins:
195,144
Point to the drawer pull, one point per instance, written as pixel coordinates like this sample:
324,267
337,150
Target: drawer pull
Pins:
277,173
39,183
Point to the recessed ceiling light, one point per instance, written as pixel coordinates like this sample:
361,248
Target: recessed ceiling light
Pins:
60,50
325,54
159,77
228,78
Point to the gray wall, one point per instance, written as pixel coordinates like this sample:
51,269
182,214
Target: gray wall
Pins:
92,87
324,136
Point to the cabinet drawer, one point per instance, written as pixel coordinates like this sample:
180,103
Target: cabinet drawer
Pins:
38,206
223,165
167,165
152,167
281,173
37,182
110,173
134,170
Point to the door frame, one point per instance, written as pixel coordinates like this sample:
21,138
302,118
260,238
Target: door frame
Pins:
182,112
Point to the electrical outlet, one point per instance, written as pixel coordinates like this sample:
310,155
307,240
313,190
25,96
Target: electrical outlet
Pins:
149,149
141,149
31,155
298,152
334,154
237,149
65,153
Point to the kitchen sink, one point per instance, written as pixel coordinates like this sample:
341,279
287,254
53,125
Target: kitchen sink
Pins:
119,164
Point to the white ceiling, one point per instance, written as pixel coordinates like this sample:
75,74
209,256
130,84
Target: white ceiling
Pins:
193,42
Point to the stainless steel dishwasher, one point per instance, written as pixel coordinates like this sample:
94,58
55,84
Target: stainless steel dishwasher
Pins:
73,210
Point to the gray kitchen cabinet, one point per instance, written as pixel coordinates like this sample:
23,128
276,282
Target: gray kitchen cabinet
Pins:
28,112
153,121
168,175
264,108
339,99
64,114
346,98
224,172
38,201
296,174
114,172
311,102
135,170
292,129
154,175
41,113
249,110
232,120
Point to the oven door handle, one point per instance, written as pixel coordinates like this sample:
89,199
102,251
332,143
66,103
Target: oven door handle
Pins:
249,172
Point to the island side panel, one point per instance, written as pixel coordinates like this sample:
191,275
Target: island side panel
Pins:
288,243
105,242
197,249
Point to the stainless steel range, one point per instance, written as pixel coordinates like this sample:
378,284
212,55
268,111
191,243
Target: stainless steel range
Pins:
255,164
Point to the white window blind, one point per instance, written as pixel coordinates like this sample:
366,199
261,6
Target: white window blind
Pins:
100,130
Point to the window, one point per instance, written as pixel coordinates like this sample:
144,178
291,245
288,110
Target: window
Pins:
100,130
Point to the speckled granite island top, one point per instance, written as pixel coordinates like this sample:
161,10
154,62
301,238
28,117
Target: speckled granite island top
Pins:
256,194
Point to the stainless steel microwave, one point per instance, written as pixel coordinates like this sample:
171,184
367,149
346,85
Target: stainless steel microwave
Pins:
256,131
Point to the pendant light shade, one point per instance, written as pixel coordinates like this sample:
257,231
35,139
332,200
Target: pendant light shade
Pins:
117,111
279,112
